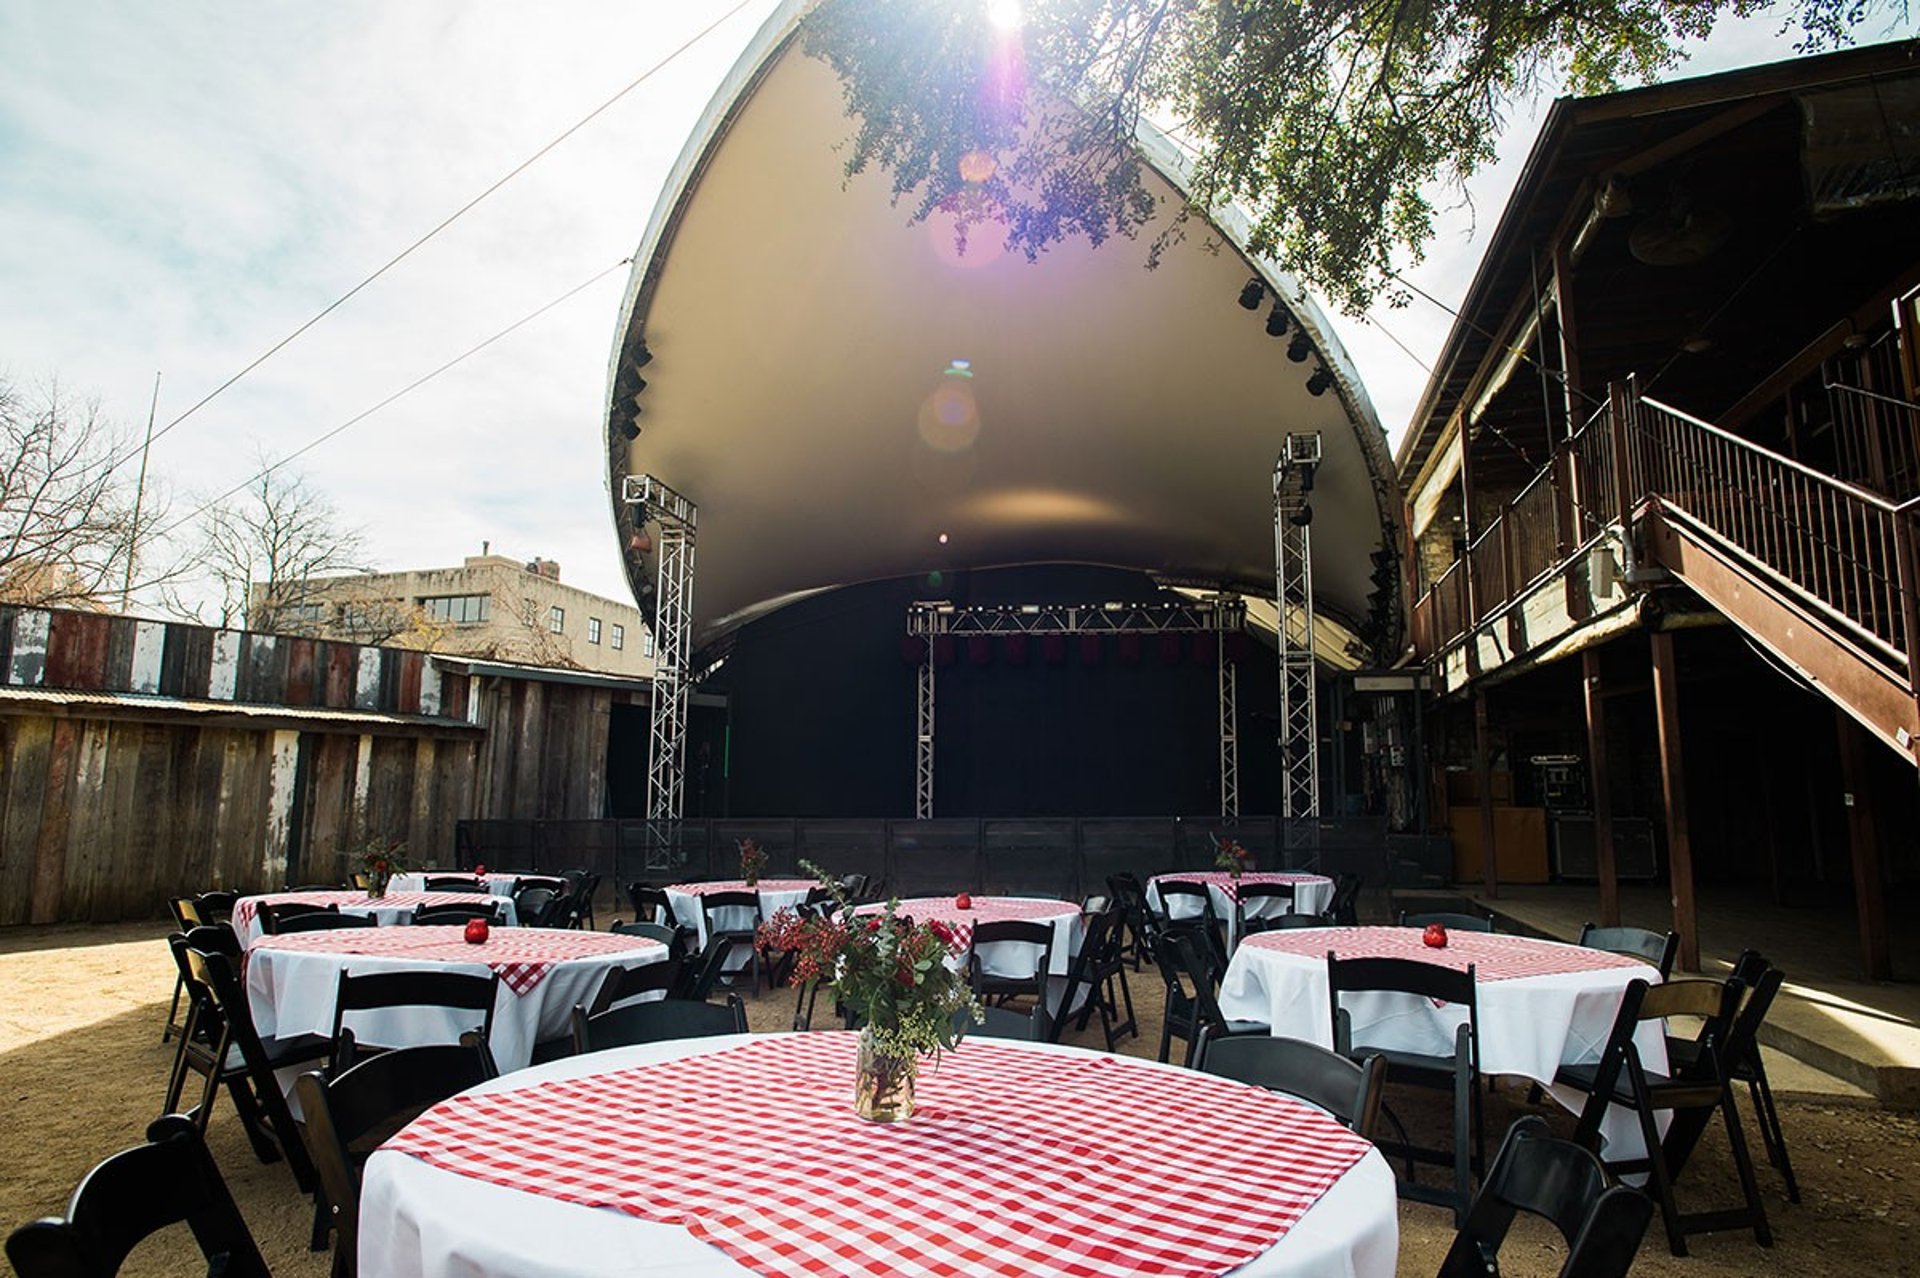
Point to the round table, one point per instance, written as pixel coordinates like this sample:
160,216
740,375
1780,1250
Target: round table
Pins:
775,894
416,881
1006,958
392,908
292,981
1312,894
1541,1004
421,1217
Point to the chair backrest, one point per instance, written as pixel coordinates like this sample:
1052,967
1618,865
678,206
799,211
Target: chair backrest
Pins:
1451,921
1402,976
1023,971
347,1116
186,912
133,1194
552,883
1282,922
735,912
1248,892
665,933
1347,1089
454,914
273,914
650,904
530,904
698,977
323,921
420,987
1657,948
1601,1222
454,883
1185,890
215,975
1006,1022
656,1022
624,984
854,887
216,906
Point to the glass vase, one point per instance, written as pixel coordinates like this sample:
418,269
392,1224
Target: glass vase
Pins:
883,1088
376,886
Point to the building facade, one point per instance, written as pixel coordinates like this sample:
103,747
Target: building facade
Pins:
491,606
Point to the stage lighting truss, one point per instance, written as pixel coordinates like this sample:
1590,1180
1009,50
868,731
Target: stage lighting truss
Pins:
1217,614
1293,478
652,501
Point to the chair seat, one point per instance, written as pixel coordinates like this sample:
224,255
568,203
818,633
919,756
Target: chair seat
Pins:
1405,1066
1665,1091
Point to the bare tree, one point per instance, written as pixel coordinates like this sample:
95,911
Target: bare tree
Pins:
263,550
67,528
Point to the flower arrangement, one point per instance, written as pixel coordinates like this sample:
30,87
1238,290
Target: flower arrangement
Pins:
753,861
1230,856
380,859
892,975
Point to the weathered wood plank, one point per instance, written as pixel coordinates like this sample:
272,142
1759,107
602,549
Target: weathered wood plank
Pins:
223,670
118,672
56,814
408,671
144,661
77,650
300,679
29,745
103,791
342,671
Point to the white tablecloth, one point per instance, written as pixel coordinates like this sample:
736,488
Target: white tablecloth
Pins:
1010,958
416,881
1312,894
417,1220
1529,1025
292,992
396,907
774,894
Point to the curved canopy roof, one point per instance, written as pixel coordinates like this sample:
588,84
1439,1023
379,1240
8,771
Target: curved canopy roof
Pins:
847,398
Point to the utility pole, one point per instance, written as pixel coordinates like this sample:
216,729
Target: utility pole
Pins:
139,495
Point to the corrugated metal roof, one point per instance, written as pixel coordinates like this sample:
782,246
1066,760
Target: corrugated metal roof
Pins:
58,698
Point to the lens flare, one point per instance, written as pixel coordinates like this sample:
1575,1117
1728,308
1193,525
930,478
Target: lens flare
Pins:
977,166
949,418
1005,15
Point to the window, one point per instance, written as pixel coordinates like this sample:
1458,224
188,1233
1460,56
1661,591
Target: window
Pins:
593,630
646,643
461,610
619,635
557,619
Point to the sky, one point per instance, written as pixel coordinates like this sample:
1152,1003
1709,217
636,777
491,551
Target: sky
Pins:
184,185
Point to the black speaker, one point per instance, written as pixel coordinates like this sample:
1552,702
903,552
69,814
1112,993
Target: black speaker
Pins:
1574,857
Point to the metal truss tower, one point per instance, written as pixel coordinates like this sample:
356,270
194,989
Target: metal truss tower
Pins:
672,640
1293,587
1217,614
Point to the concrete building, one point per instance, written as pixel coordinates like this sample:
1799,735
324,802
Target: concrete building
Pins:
491,606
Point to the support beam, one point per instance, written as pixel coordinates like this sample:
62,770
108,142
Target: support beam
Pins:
1863,835
1483,773
1673,784
1606,864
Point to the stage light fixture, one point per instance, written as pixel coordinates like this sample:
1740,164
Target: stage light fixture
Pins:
1251,294
630,428
1301,517
1300,347
1278,320
1317,384
641,357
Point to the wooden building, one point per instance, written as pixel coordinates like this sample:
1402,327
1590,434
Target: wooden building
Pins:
142,759
1660,494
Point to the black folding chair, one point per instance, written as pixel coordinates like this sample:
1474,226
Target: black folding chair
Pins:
422,987
328,920
1458,1073
736,916
351,1115
455,883
1006,1022
1346,1088
1692,1090
699,976
622,985
1344,908
1247,921
1201,920
1191,1007
456,914
1657,948
656,1022
1097,981
1451,921
1127,893
1601,1222
274,914
170,1180
1748,1067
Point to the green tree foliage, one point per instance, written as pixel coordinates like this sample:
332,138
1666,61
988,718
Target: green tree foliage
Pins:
1329,121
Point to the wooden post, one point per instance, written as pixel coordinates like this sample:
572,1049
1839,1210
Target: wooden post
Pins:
1569,336
1620,401
1483,771
1863,834
1673,784
1606,864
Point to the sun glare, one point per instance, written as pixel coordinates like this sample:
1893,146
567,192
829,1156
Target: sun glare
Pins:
1005,15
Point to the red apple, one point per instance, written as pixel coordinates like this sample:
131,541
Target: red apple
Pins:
479,871
1435,935
963,902
476,931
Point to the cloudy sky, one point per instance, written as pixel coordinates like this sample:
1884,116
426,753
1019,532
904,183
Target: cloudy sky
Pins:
183,185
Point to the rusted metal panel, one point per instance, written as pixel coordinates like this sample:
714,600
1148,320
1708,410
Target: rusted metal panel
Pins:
342,672
77,650
300,684
408,669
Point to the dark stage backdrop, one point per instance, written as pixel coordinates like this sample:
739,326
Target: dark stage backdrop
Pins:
821,715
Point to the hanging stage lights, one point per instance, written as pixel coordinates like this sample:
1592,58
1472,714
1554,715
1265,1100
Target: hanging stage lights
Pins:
1278,321
1252,293
1300,347
1318,383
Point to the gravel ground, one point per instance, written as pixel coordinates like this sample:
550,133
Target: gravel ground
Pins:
82,1064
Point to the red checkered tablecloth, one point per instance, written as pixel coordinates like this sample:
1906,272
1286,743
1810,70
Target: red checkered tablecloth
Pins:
523,956
246,907
1492,956
1227,883
1015,1162
741,885
986,909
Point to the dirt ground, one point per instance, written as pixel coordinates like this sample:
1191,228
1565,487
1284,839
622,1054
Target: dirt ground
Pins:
84,1071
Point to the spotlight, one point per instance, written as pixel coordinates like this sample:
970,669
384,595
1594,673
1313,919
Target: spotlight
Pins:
1277,320
1299,348
641,356
1301,517
1251,294
630,428
639,384
1318,383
